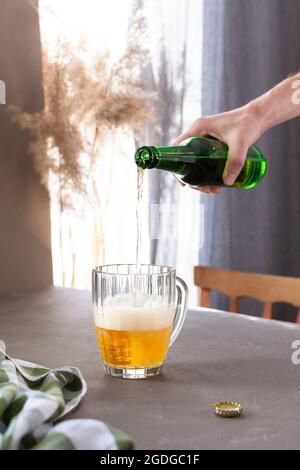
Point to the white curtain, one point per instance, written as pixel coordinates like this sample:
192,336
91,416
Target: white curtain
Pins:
174,37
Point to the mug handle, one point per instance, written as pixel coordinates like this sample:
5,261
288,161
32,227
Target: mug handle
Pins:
180,313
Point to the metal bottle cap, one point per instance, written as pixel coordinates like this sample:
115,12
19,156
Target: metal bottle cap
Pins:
227,409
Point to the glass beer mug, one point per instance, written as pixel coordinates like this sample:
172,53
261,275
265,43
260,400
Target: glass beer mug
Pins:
138,312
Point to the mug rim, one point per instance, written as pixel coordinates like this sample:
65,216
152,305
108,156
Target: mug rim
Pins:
170,270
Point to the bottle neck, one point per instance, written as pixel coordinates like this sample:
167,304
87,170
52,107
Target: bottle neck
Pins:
152,157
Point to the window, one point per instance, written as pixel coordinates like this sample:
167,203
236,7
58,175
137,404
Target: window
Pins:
106,233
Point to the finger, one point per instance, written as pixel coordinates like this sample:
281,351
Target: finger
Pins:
235,162
183,137
179,180
215,191
210,190
199,128
202,189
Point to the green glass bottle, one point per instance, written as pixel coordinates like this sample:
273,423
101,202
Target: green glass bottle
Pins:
200,161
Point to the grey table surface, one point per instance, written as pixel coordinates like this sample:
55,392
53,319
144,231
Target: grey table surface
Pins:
218,356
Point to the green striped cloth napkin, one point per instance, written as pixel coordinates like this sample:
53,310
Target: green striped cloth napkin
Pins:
33,397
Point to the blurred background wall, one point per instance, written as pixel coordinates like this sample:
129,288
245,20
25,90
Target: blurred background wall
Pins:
248,47
25,256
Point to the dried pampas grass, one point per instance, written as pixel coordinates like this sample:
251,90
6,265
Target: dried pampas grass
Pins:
83,102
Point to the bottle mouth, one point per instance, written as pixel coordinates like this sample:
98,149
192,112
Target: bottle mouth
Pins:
145,157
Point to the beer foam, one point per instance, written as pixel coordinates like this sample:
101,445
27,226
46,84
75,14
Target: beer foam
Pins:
134,312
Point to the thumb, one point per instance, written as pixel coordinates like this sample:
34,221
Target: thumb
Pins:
235,162
183,137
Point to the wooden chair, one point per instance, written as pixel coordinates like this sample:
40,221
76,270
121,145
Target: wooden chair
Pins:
235,284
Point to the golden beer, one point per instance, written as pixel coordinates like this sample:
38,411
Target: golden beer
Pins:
134,330
130,349
138,313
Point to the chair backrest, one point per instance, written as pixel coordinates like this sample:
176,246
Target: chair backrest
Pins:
235,284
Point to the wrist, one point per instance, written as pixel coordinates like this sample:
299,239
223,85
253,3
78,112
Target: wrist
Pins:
257,111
